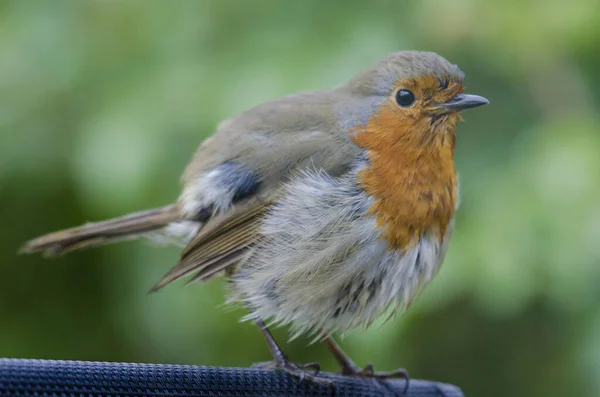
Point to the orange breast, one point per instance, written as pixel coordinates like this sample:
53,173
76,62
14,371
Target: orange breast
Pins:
410,175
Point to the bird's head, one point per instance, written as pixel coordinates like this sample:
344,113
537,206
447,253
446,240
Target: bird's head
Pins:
408,96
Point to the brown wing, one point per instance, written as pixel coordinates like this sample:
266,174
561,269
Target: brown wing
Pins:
223,241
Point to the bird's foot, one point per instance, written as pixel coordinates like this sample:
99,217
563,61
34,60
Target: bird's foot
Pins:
369,372
309,371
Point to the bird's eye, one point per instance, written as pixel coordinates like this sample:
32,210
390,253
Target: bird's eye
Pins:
405,98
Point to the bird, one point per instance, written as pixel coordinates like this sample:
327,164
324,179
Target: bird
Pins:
322,209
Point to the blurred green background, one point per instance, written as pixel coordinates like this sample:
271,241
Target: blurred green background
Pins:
102,103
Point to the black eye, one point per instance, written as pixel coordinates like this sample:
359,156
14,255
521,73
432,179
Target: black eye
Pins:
405,98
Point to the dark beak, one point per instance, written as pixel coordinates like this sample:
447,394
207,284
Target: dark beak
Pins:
461,102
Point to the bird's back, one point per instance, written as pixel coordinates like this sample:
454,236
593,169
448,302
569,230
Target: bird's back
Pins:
277,138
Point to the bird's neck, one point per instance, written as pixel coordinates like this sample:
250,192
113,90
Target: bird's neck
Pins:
413,183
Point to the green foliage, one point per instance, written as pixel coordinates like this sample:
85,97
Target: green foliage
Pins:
102,103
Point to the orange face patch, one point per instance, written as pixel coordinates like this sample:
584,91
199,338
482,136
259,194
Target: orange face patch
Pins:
411,172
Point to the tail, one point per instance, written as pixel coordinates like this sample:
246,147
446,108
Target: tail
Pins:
112,230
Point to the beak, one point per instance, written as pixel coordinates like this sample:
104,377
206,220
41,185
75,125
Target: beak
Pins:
461,102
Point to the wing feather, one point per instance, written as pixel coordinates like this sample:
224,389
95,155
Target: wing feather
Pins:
224,240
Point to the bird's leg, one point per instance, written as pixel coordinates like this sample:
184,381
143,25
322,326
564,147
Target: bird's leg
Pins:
350,369
345,362
280,361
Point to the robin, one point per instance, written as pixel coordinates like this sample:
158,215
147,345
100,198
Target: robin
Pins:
323,209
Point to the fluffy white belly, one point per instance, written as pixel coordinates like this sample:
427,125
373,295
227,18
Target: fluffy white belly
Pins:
322,264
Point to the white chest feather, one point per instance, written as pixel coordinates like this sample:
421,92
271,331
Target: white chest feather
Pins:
322,263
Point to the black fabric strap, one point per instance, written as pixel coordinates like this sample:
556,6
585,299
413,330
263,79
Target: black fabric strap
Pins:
19,377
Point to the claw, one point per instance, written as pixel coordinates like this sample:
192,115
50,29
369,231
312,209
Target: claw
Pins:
265,365
397,374
301,378
369,372
301,372
308,372
315,366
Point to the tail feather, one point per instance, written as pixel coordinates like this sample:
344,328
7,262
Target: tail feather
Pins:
92,234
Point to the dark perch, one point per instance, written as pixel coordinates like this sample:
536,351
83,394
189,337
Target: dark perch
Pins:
19,377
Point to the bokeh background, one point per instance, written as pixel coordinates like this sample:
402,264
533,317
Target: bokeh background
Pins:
102,103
